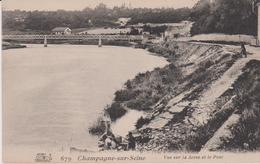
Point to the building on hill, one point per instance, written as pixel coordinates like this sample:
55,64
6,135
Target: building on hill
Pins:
106,31
123,21
61,31
177,30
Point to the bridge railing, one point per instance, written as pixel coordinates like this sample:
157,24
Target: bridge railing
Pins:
73,37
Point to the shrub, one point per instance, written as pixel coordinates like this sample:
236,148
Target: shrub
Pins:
247,131
136,104
205,132
143,103
208,64
128,84
225,16
98,128
141,121
125,95
172,66
115,111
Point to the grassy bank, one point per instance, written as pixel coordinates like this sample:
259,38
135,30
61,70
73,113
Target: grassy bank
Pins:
181,115
246,133
193,69
151,91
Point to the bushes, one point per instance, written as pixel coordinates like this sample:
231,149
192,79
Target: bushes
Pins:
98,128
208,64
115,111
199,76
140,104
224,16
145,100
141,121
205,132
128,84
246,134
125,95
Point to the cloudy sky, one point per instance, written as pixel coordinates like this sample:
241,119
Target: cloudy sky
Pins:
80,4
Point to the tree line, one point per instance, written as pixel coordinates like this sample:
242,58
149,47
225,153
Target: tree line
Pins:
101,16
224,16
209,16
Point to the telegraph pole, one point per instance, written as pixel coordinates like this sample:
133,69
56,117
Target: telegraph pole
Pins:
258,23
256,10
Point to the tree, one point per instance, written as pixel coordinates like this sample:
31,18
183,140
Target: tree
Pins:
224,16
100,16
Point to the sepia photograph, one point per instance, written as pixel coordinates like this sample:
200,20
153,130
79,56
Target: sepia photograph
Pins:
136,81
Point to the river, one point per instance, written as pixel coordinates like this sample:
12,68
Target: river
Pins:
52,95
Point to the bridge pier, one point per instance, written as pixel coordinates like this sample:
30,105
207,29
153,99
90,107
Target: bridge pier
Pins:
45,41
99,42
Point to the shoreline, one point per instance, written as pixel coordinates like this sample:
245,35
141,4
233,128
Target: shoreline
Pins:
187,101
99,127
7,45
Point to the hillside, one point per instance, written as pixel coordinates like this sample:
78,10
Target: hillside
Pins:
206,99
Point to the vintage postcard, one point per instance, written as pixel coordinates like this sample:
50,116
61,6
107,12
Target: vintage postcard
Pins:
131,81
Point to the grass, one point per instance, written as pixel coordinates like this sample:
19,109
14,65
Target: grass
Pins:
203,133
246,134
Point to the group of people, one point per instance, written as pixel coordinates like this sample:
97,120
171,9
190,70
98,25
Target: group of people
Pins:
108,141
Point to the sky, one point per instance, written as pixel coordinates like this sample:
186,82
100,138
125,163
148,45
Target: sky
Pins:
81,4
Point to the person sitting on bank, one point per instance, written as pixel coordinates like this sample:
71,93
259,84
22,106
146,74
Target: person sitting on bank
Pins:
131,141
110,144
243,50
108,139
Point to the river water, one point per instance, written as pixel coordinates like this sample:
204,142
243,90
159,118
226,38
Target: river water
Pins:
52,95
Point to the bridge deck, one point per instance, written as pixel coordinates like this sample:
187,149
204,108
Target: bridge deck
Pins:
73,37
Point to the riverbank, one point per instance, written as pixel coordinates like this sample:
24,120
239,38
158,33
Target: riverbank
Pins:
7,45
193,97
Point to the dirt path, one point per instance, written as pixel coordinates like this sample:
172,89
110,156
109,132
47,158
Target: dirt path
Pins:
254,52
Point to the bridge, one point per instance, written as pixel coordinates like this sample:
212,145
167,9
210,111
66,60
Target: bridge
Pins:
74,37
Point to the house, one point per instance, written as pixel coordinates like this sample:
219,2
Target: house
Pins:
177,30
106,31
123,21
61,31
